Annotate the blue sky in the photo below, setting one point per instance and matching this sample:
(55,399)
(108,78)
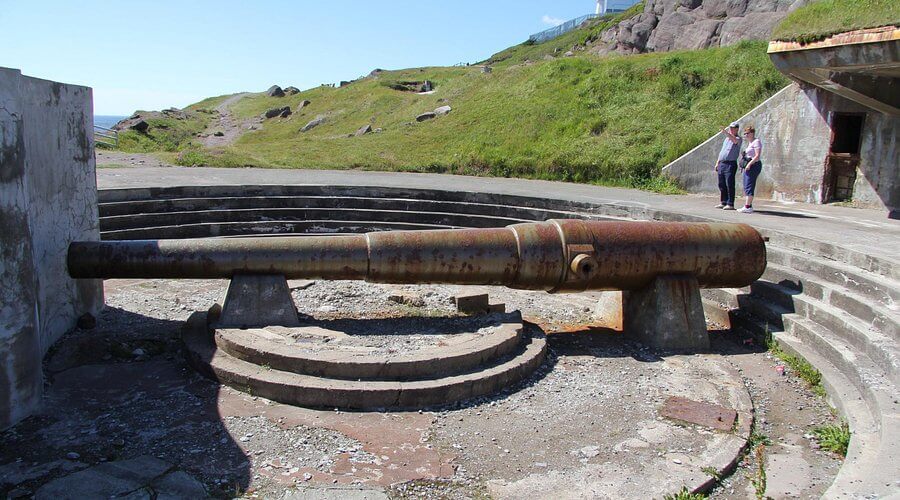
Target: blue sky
(153,54)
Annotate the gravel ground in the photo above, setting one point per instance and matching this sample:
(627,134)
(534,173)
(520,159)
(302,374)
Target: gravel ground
(587,422)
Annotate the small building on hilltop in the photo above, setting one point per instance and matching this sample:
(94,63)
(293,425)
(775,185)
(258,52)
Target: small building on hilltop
(831,136)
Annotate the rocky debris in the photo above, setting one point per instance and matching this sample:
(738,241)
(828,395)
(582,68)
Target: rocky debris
(428,115)
(291,90)
(413,86)
(335,493)
(218,133)
(135,122)
(313,124)
(114,479)
(694,24)
(365,129)
(304,103)
(283,112)
(443,110)
(486,69)
(376,72)
(275,91)
(407,299)
(472,304)
(175,113)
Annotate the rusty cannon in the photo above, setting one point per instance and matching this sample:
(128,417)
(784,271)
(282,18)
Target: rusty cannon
(659,266)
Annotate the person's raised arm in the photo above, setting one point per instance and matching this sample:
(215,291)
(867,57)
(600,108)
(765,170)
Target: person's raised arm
(733,138)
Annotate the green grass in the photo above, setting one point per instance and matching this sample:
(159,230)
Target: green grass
(684,494)
(612,120)
(558,46)
(800,366)
(834,438)
(824,18)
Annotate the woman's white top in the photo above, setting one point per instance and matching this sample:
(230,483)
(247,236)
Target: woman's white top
(753,149)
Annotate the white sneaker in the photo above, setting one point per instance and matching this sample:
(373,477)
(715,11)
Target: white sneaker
(745,210)
(720,205)
(728,207)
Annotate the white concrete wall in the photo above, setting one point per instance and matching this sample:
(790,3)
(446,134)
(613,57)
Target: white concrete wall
(795,128)
(48,198)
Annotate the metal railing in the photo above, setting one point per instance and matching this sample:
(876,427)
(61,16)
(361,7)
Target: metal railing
(562,29)
(106,136)
(613,8)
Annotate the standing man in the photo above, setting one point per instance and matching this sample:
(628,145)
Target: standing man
(726,166)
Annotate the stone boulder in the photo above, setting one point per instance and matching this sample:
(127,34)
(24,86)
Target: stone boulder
(313,124)
(291,90)
(365,129)
(694,24)
(428,115)
(303,104)
(275,91)
(753,26)
(443,110)
(272,113)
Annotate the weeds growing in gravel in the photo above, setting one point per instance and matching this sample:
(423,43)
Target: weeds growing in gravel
(684,494)
(834,438)
(799,365)
(759,479)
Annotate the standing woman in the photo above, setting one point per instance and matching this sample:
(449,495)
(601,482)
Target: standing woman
(751,165)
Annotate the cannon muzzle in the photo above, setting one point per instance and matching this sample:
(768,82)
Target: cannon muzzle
(556,256)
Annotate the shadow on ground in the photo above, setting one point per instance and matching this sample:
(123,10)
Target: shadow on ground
(123,413)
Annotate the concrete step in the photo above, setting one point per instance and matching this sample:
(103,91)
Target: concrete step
(885,318)
(881,289)
(149,206)
(261,228)
(885,351)
(264,348)
(875,427)
(826,252)
(143,220)
(871,467)
(318,392)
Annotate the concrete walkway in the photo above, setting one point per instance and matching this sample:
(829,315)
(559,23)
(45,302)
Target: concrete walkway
(866,231)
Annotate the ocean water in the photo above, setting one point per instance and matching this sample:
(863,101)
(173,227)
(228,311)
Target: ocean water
(107,121)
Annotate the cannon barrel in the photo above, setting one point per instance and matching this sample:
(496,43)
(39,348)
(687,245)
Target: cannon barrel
(556,255)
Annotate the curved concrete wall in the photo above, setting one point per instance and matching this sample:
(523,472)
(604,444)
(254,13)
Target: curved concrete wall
(47,199)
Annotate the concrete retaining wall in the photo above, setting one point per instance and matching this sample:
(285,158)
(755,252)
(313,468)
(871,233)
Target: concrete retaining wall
(47,199)
(795,127)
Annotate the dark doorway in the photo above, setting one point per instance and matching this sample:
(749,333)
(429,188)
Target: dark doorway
(843,156)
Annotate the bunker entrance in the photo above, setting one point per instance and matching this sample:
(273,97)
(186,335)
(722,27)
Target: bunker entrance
(843,157)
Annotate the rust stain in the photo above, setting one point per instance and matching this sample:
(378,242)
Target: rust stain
(695,412)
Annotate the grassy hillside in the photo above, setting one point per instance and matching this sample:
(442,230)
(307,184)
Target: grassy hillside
(824,18)
(610,120)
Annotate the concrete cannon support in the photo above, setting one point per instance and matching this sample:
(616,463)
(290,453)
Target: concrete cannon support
(667,314)
(258,301)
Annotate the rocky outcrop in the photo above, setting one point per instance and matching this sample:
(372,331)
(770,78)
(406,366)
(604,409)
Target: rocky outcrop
(291,90)
(428,115)
(443,110)
(313,124)
(365,129)
(275,91)
(282,112)
(694,24)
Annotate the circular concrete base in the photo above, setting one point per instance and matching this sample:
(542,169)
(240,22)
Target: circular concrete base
(262,362)
(331,353)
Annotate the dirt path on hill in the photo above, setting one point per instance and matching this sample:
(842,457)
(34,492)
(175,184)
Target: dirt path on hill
(230,127)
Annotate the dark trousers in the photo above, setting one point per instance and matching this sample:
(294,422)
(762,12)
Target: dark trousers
(727,171)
